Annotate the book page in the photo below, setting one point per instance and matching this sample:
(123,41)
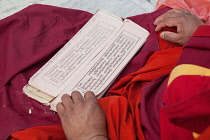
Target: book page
(105,67)
(76,54)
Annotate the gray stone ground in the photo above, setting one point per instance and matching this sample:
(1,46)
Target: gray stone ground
(122,8)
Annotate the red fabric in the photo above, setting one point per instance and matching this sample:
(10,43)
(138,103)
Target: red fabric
(201,31)
(52,28)
(28,39)
(191,95)
(122,111)
(40,133)
(187,110)
(160,63)
(186,101)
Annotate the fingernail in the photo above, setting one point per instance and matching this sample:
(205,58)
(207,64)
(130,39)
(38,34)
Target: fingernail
(156,29)
(156,22)
(162,35)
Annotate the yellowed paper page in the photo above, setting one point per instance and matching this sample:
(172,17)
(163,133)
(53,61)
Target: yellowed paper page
(76,54)
(105,67)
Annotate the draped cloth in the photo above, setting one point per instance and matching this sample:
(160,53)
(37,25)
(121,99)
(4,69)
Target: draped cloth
(186,100)
(32,36)
(132,106)
(122,104)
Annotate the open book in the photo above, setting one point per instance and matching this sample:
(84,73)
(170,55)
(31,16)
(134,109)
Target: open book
(90,61)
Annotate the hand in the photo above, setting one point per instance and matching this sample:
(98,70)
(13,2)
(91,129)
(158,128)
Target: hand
(185,22)
(82,118)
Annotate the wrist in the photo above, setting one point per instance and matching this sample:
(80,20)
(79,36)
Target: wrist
(98,138)
(95,135)
(92,138)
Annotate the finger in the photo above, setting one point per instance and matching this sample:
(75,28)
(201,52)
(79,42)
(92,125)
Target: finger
(170,14)
(170,36)
(77,96)
(165,16)
(90,96)
(66,101)
(60,109)
(169,22)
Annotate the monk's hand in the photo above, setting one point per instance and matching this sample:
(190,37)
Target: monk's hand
(82,118)
(185,23)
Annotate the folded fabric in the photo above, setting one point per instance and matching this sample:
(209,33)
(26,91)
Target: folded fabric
(132,106)
(123,104)
(186,100)
(29,39)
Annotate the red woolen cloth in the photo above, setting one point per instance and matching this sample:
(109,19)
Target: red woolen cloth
(28,39)
(40,133)
(32,36)
(122,111)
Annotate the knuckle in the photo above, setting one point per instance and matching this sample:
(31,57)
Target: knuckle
(171,14)
(160,18)
(186,11)
(163,22)
(64,97)
(183,18)
(179,39)
(79,104)
(65,114)
(90,102)
(192,16)
(89,94)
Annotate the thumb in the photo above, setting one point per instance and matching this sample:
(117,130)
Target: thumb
(171,37)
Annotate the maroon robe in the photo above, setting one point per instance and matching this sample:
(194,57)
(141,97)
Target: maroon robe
(29,39)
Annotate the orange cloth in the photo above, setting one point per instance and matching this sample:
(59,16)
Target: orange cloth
(122,112)
(160,63)
(40,133)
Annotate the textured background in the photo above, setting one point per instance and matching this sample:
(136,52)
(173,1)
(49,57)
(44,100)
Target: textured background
(122,8)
